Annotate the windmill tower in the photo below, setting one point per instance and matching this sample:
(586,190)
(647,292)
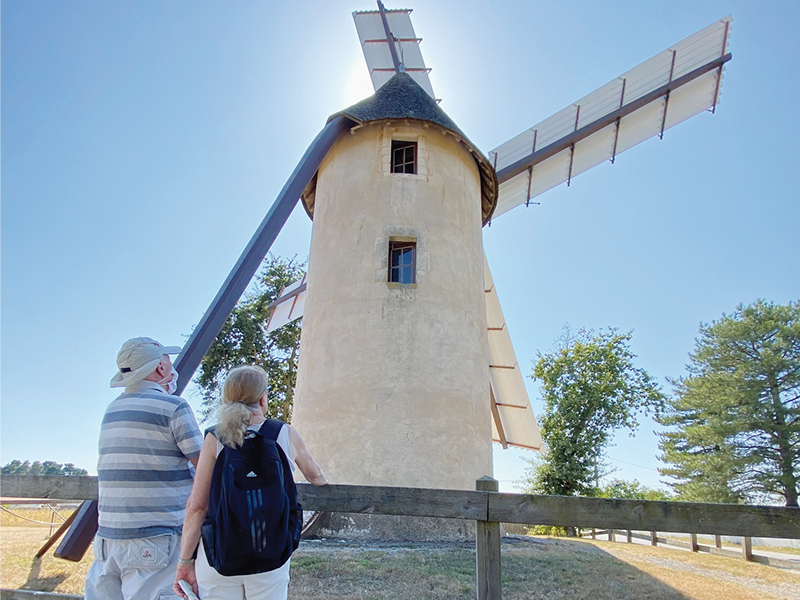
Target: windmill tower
(407,372)
(394,328)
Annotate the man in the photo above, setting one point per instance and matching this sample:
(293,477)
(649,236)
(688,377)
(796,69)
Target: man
(147,440)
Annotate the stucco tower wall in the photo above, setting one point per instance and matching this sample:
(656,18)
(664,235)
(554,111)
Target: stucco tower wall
(392,385)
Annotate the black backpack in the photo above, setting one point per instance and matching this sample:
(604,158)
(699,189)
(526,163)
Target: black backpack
(254,520)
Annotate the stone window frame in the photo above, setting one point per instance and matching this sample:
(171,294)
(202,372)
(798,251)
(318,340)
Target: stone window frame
(393,233)
(396,134)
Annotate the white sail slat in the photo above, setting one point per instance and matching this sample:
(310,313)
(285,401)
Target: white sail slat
(550,173)
(556,126)
(511,193)
(519,426)
(649,76)
(692,98)
(544,176)
(641,125)
(593,150)
(513,150)
(601,102)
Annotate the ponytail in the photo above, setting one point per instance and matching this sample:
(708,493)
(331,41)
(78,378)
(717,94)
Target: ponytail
(243,389)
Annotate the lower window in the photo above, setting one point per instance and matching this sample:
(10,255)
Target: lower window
(402,262)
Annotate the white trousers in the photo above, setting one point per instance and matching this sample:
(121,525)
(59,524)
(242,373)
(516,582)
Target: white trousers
(138,569)
(272,585)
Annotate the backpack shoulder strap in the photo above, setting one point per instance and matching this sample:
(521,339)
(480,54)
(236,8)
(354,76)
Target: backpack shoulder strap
(271,429)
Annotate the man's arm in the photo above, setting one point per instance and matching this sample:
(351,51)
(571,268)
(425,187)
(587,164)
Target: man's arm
(186,433)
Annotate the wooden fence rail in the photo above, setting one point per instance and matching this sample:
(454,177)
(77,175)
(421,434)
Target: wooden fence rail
(745,552)
(487,506)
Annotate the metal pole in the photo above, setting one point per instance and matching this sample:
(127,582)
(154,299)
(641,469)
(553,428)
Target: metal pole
(399,67)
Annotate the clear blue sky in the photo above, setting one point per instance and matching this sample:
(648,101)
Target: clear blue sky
(143,142)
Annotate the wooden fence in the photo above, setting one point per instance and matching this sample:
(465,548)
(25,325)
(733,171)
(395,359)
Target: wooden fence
(488,508)
(745,552)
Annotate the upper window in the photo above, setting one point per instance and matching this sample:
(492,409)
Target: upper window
(402,262)
(404,157)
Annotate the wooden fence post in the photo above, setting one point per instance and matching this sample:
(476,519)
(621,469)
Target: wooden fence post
(487,549)
(653,538)
(718,541)
(630,536)
(611,536)
(747,548)
(594,533)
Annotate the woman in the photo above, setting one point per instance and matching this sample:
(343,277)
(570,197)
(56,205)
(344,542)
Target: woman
(244,402)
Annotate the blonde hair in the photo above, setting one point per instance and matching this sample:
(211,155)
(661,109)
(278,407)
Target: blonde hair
(244,386)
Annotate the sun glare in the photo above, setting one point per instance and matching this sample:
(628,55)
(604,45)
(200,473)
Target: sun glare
(357,83)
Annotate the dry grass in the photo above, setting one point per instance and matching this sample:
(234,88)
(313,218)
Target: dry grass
(706,576)
(19,568)
(533,568)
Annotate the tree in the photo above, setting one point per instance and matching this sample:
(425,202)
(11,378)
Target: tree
(48,467)
(735,419)
(243,340)
(590,388)
(631,490)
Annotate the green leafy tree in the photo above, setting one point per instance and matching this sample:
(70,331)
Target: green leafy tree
(244,340)
(590,388)
(14,467)
(734,423)
(631,490)
(48,467)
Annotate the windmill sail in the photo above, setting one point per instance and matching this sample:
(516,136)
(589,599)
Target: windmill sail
(372,35)
(288,306)
(674,85)
(513,421)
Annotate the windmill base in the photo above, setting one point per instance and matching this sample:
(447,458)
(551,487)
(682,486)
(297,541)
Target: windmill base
(390,528)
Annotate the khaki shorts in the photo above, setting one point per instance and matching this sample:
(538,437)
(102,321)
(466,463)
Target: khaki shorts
(138,569)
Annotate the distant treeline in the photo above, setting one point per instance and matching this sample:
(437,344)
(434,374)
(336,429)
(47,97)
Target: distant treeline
(48,467)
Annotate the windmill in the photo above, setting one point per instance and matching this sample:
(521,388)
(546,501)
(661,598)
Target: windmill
(407,370)
(382,179)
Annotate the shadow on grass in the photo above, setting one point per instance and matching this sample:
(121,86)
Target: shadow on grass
(532,568)
(563,568)
(42,584)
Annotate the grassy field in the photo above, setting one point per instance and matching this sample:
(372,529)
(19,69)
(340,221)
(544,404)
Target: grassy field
(532,568)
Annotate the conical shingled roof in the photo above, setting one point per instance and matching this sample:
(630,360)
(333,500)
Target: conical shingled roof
(402,98)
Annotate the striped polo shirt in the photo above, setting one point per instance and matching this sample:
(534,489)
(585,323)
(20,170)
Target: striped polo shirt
(146,440)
